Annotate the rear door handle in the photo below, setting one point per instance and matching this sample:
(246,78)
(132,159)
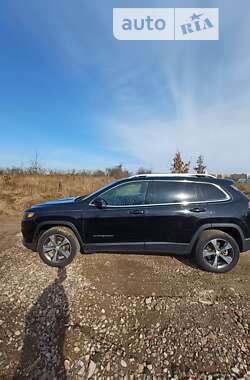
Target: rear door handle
(198,209)
(136,212)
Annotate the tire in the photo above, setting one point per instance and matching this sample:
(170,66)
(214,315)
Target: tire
(206,251)
(55,237)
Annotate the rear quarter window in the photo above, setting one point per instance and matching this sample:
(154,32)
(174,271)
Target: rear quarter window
(209,193)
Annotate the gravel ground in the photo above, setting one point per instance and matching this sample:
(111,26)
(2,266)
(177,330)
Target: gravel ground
(114,316)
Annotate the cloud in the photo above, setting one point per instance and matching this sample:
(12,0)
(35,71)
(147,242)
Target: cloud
(151,98)
(218,134)
(208,88)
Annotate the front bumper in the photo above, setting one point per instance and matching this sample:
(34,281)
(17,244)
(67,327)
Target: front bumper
(28,231)
(246,245)
(29,245)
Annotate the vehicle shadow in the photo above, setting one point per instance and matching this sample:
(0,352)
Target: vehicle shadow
(42,354)
(187,260)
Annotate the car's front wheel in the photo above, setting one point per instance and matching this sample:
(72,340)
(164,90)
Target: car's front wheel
(57,246)
(216,251)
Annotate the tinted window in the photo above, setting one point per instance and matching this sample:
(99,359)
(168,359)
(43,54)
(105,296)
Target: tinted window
(209,192)
(171,192)
(127,194)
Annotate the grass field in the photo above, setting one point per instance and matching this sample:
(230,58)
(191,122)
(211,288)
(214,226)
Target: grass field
(18,192)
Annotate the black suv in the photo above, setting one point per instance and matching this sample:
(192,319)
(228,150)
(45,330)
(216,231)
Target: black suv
(175,214)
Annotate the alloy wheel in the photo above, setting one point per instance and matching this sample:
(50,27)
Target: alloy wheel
(218,253)
(57,248)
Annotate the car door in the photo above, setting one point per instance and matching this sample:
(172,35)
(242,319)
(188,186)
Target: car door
(173,215)
(119,226)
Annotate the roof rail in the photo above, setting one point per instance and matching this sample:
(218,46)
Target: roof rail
(203,175)
(174,175)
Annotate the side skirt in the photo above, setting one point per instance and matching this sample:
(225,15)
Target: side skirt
(171,248)
(161,247)
(114,247)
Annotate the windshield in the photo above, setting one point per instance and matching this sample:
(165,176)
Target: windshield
(97,191)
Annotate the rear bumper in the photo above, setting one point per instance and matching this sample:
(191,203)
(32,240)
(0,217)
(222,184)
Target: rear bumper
(246,245)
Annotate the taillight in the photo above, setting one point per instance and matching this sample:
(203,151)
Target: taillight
(248,205)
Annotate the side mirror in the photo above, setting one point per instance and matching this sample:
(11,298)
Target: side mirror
(100,202)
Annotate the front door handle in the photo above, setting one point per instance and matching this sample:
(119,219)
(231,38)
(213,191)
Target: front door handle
(198,209)
(136,212)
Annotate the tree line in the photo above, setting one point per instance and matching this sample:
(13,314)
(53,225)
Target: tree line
(178,165)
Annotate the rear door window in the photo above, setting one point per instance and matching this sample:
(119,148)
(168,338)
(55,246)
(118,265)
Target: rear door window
(161,192)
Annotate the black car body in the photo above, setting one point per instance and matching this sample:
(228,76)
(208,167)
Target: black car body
(146,213)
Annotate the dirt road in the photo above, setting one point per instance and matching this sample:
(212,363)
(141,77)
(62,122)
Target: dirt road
(113,316)
(8,229)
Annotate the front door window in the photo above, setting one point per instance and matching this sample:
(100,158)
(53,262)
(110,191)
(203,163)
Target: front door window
(127,194)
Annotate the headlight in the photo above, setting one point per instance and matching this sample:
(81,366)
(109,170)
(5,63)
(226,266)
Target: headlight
(28,215)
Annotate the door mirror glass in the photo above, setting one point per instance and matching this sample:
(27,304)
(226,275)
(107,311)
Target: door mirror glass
(100,202)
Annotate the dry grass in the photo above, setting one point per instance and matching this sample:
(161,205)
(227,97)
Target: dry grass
(18,192)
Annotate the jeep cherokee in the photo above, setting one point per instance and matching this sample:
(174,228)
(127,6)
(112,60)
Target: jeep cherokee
(175,214)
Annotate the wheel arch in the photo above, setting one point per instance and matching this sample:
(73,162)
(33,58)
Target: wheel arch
(44,226)
(233,230)
(230,228)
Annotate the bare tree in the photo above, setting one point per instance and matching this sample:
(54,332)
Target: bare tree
(35,166)
(117,172)
(142,170)
(178,165)
(200,167)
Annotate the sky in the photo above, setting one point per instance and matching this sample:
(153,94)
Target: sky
(82,99)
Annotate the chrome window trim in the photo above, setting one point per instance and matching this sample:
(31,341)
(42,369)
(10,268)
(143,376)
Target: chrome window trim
(227,196)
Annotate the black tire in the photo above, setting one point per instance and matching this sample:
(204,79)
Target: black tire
(63,232)
(202,243)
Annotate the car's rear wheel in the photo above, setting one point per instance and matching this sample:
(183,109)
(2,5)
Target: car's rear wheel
(216,251)
(57,246)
